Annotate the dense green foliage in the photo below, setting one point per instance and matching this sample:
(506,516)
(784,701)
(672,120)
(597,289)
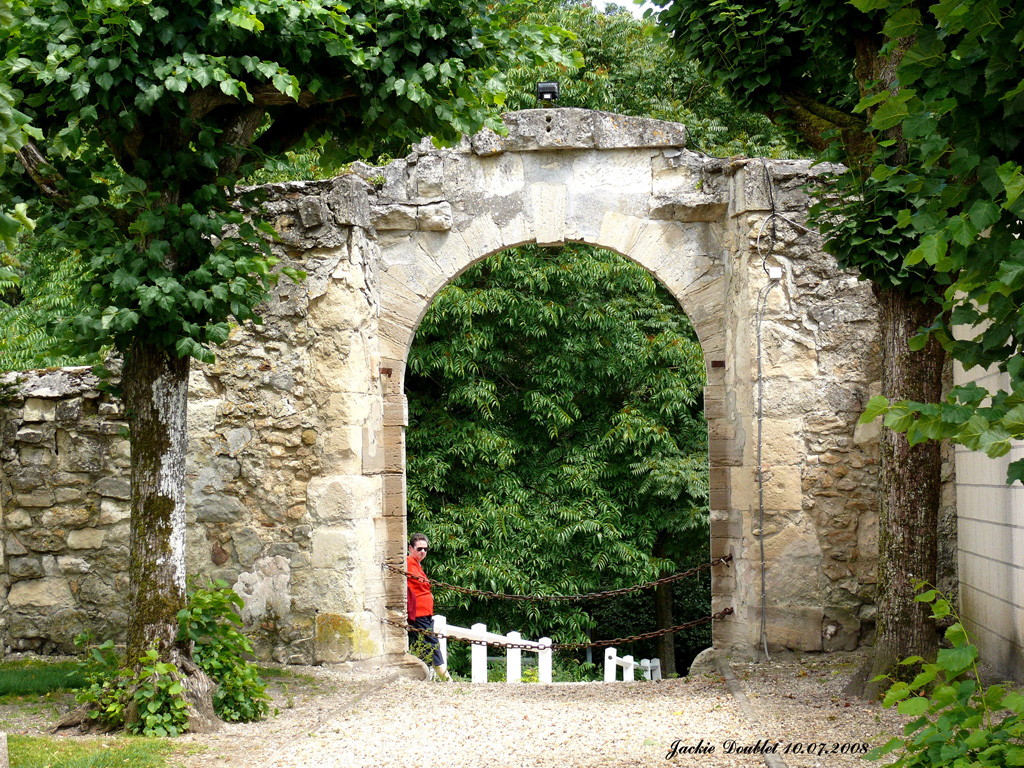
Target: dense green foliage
(44,295)
(144,699)
(957,721)
(556,427)
(956,195)
(925,103)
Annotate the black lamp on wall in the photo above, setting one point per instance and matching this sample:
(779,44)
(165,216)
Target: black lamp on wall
(547,93)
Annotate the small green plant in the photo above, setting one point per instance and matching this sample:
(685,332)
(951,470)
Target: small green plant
(157,695)
(570,670)
(210,622)
(422,650)
(958,721)
(145,700)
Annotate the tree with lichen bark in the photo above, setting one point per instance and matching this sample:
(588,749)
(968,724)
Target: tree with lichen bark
(788,59)
(147,114)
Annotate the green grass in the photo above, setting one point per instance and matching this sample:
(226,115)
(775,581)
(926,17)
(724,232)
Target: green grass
(25,678)
(43,752)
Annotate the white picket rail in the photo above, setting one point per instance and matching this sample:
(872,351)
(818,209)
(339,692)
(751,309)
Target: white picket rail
(478,653)
(651,668)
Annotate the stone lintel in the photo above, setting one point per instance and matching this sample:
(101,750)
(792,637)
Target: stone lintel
(572,128)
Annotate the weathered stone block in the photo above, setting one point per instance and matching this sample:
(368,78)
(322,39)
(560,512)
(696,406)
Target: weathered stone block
(24,567)
(346,637)
(114,511)
(40,593)
(40,498)
(247,545)
(342,498)
(66,517)
(86,538)
(217,508)
(266,590)
(115,487)
(16,520)
(37,409)
(39,540)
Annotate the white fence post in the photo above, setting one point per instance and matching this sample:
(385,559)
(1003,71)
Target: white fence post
(544,660)
(514,660)
(609,665)
(655,669)
(645,667)
(627,669)
(478,656)
(441,628)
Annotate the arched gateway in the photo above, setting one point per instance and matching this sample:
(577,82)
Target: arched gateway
(297,468)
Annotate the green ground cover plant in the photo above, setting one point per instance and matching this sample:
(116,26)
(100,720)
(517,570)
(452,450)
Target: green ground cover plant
(29,678)
(958,721)
(43,752)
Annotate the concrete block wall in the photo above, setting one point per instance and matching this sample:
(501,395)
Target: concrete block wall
(990,550)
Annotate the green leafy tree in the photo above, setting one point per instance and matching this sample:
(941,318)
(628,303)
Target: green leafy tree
(45,291)
(556,435)
(148,114)
(820,68)
(629,68)
(959,191)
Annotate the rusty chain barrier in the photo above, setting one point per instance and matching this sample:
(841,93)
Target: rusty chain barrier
(560,598)
(565,646)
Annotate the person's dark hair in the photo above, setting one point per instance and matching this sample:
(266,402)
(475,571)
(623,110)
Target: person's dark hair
(417,537)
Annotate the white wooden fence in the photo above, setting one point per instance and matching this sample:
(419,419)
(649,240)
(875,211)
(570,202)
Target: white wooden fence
(478,653)
(651,668)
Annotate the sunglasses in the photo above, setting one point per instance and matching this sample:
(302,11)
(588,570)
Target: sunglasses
(422,549)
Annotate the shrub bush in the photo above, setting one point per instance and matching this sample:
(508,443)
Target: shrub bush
(211,623)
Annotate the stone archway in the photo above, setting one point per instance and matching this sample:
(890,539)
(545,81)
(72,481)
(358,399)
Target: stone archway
(630,186)
(296,477)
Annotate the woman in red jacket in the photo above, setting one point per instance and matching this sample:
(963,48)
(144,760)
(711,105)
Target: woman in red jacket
(421,601)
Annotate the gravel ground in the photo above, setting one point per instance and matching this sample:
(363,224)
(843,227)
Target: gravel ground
(795,700)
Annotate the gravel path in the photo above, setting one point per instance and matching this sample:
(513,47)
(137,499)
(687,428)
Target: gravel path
(794,700)
(579,724)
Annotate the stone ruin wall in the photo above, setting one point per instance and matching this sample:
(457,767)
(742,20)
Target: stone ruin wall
(296,456)
(256,448)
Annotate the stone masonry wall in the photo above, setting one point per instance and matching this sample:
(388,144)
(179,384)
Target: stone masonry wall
(258,441)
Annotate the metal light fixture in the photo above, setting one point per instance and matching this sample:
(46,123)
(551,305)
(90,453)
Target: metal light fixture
(547,92)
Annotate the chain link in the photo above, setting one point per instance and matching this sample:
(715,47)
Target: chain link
(566,646)
(560,598)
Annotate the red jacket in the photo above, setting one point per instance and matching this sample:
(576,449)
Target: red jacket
(421,600)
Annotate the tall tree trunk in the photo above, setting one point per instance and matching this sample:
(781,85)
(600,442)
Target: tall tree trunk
(909,484)
(155,386)
(663,612)
(156,396)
